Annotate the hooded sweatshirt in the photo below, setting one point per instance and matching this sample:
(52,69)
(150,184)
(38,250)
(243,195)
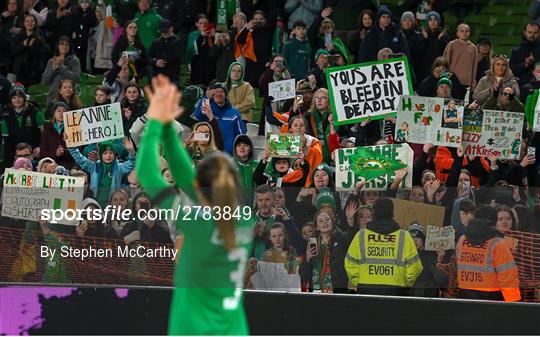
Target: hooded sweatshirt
(229,121)
(481,230)
(241,94)
(246,169)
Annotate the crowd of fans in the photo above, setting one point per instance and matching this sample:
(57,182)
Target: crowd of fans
(264,41)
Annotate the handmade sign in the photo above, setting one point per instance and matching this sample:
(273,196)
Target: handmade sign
(274,276)
(492,133)
(406,212)
(440,238)
(432,120)
(377,165)
(536,120)
(93,124)
(281,90)
(284,145)
(370,89)
(26,193)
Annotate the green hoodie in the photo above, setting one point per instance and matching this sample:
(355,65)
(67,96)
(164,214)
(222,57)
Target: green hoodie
(231,83)
(148,26)
(246,170)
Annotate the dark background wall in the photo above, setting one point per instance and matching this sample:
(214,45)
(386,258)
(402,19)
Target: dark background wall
(145,311)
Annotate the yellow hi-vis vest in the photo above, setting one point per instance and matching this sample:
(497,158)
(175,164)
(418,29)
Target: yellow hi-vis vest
(383,259)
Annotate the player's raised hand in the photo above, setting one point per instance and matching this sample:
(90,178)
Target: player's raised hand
(164,100)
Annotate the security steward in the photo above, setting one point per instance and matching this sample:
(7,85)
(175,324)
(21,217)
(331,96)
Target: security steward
(382,258)
(486,267)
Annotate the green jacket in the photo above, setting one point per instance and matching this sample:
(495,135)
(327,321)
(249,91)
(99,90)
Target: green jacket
(148,26)
(246,170)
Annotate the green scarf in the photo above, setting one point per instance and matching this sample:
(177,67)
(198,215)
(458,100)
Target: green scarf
(59,127)
(232,82)
(56,269)
(322,134)
(191,48)
(340,47)
(530,105)
(104,188)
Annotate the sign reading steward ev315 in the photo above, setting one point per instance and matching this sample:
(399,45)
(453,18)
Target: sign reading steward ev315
(369,89)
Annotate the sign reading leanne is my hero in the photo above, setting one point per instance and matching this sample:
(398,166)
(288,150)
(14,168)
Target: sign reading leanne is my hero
(377,165)
(440,238)
(93,125)
(367,90)
(281,90)
(26,193)
(492,133)
(286,145)
(432,120)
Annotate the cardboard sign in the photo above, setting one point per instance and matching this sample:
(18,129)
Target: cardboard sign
(284,145)
(440,238)
(406,212)
(432,120)
(536,120)
(492,133)
(281,90)
(93,125)
(26,193)
(367,90)
(274,276)
(356,164)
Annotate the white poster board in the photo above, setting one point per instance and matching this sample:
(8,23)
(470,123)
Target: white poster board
(366,90)
(274,276)
(93,124)
(432,120)
(282,90)
(492,133)
(440,238)
(26,193)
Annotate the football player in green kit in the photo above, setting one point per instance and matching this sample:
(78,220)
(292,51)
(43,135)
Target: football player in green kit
(208,297)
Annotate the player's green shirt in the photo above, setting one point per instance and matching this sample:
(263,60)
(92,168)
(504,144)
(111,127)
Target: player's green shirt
(209,279)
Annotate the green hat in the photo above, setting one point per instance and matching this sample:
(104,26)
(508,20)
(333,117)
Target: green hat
(322,167)
(88,148)
(58,104)
(325,197)
(321,52)
(444,80)
(107,145)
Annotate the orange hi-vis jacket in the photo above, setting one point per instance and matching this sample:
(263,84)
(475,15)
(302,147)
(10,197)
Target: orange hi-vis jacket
(488,268)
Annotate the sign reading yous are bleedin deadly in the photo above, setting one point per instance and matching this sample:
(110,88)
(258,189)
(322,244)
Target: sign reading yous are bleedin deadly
(367,90)
(93,124)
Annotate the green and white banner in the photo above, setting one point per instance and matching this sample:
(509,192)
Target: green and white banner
(369,89)
(432,120)
(284,145)
(492,133)
(377,165)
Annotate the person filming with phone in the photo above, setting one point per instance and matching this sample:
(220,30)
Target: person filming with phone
(202,141)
